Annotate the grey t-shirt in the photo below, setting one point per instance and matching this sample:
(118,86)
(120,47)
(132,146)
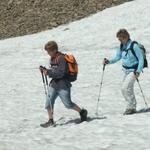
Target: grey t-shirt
(57,72)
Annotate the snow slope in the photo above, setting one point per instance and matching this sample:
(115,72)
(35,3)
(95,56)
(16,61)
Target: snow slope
(90,40)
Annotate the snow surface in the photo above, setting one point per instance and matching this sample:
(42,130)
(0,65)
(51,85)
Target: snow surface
(91,39)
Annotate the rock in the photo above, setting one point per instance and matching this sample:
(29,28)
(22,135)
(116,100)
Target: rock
(20,17)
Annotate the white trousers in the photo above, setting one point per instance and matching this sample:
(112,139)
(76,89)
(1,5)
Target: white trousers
(128,90)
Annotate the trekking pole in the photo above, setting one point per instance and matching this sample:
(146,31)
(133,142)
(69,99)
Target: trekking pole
(44,83)
(99,96)
(47,90)
(142,92)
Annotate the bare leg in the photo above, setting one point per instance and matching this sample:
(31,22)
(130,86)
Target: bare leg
(50,121)
(50,113)
(77,108)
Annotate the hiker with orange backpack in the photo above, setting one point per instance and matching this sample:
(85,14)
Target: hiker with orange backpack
(62,73)
(133,56)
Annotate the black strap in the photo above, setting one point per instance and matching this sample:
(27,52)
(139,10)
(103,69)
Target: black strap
(130,48)
(133,52)
(132,67)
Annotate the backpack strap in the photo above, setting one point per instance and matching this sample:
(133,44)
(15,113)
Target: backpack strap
(132,49)
(55,60)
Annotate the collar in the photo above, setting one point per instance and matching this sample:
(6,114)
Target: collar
(128,42)
(126,45)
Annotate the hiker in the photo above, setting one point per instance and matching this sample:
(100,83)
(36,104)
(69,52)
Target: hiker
(131,65)
(59,84)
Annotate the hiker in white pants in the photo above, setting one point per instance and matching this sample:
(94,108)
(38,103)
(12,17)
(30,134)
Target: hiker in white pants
(132,65)
(128,90)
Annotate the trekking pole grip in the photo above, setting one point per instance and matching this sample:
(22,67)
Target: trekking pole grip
(136,77)
(105,59)
(41,73)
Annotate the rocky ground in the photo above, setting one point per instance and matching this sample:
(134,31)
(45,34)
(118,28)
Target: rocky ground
(21,17)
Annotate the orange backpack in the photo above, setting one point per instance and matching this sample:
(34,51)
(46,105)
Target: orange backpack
(72,67)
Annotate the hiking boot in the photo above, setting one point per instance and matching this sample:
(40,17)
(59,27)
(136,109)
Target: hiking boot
(47,124)
(83,115)
(129,111)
